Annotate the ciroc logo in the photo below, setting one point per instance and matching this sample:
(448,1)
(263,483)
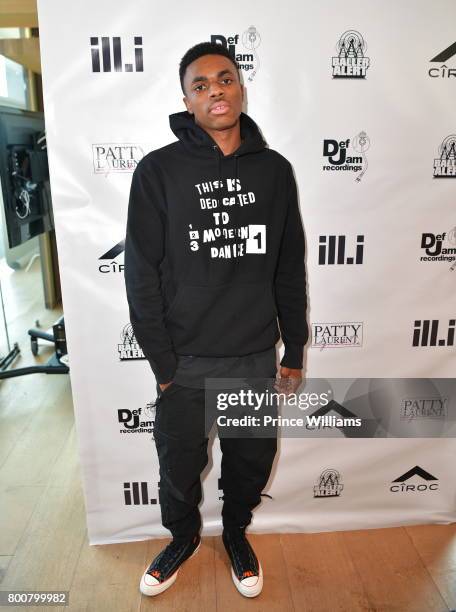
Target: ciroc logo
(111,256)
(443,71)
(430,484)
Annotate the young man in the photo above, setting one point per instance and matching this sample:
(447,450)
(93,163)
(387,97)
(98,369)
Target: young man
(214,256)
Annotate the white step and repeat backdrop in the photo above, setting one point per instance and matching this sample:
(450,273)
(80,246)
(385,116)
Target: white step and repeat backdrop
(359,97)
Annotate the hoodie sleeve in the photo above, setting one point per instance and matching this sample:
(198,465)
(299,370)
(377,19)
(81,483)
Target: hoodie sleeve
(290,282)
(144,250)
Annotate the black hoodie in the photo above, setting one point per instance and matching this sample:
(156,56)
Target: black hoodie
(214,250)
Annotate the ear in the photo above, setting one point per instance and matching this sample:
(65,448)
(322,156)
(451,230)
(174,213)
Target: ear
(188,105)
(242,91)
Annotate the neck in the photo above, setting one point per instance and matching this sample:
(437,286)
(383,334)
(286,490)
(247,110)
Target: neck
(229,139)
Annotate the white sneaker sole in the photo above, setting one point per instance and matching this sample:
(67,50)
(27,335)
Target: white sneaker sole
(152,590)
(248,591)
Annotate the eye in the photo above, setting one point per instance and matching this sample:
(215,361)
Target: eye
(199,87)
(227,80)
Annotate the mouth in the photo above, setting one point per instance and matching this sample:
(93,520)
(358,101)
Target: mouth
(220,108)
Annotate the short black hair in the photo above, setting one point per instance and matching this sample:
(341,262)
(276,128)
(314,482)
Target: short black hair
(197,51)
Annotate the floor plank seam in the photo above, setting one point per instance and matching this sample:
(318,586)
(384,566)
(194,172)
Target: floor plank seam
(449,608)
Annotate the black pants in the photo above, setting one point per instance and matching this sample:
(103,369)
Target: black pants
(181,442)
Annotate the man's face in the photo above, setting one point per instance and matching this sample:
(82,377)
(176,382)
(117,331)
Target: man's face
(213,92)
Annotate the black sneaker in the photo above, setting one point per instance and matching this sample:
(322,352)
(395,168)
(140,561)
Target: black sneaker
(163,570)
(246,570)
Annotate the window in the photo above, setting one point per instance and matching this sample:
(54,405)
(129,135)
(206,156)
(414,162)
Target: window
(13,76)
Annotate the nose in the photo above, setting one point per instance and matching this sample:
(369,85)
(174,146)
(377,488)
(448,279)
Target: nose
(215,90)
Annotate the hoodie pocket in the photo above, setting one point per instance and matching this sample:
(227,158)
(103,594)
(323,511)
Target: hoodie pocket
(224,320)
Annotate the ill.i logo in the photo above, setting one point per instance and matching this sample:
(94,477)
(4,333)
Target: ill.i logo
(114,59)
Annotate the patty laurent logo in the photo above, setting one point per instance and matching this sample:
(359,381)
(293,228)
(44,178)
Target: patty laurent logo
(129,349)
(111,256)
(113,157)
(341,158)
(337,335)
(111,54)
(416,472)
(329,484)
(351,61)
(414,408)
(443,71)
(248,62)
(445,163)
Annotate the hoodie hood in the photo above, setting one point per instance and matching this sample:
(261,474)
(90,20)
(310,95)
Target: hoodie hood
(198,141)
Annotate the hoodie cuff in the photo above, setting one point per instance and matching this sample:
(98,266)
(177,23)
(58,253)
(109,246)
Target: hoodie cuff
(293,356)
(164,366)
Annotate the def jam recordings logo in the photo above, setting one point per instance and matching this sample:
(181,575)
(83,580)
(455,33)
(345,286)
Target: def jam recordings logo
(129,349)
(111,257)
(111,54)
(113,157)
(137,494)
(132,420)
(418,474)
(328,484)
(351,61)
(414,408)
(339,158)
(439,247)
(248,62)
(337,335)
(445,164)
(443,71)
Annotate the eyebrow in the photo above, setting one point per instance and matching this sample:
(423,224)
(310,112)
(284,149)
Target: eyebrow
(204,78)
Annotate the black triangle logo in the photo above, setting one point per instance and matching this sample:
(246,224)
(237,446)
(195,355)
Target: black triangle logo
(415,471)
(334,406)
(116,250)
(446,54)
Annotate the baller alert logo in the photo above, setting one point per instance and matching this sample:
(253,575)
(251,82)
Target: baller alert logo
(445,164)
(329,484)
(114,59)
(129,349)
(249,62)
(351,61)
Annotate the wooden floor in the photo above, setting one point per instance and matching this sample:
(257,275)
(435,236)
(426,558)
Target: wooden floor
(43,542)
